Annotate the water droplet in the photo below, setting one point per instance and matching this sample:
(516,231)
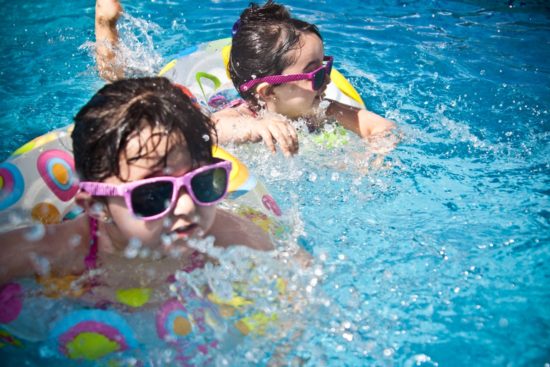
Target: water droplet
(144,253)
(41,264)
(97,209)
(167,222)
(166,240)
(75,240)
(324,104)
(133,247)
(348,336)
(35,232)
(503,322)
(206,137)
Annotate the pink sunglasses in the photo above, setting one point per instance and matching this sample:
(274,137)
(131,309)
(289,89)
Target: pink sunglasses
(317,77)
(152,198)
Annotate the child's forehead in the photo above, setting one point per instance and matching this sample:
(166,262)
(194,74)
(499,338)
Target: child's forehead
(153,149)
(152,139)
(310,48)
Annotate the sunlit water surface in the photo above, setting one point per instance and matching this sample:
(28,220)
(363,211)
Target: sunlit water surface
(436,253)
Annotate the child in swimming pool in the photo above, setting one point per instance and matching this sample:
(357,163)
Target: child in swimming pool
(149,183)
(278,65)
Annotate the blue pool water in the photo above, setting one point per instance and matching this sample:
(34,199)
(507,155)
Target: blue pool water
(436,253)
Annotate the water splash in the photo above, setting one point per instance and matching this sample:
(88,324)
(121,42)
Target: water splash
(135,51)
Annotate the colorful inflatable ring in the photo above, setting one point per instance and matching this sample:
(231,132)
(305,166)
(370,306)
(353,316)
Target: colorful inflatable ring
(92,334)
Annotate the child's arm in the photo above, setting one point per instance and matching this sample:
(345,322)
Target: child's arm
(362,122)
(25,251)
(230,229)
(238,125)
(107,13)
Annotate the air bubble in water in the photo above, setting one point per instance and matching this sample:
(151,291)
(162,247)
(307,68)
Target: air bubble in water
(312,177)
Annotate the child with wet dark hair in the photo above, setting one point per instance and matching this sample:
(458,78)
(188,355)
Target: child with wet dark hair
(143,152)
(278,64)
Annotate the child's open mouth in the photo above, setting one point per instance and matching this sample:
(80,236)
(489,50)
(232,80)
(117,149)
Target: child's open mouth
(184,231)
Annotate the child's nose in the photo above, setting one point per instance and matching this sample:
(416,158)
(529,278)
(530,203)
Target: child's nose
(184,204)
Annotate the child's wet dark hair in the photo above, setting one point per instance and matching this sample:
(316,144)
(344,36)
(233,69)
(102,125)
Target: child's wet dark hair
(119,111)
(262,38)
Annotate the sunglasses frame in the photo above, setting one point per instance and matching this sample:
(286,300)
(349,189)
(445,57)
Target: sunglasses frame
(280,79)
(125,189)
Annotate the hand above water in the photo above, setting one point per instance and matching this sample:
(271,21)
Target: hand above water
(234,126)
(275,130)
(108,11)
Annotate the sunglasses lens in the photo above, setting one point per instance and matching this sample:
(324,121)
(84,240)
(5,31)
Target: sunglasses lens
(319,79)
(151,199)
(210,186)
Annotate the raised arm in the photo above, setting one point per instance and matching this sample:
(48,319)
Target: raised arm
(107,13)
(362,122)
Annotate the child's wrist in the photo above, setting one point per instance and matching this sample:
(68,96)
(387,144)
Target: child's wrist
(106,22)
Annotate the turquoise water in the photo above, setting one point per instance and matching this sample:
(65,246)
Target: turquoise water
(436,255)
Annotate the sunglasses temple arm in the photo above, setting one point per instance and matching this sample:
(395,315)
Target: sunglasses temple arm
(101,189)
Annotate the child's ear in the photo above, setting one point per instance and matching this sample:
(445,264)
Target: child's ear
(92,207)
(265,91)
